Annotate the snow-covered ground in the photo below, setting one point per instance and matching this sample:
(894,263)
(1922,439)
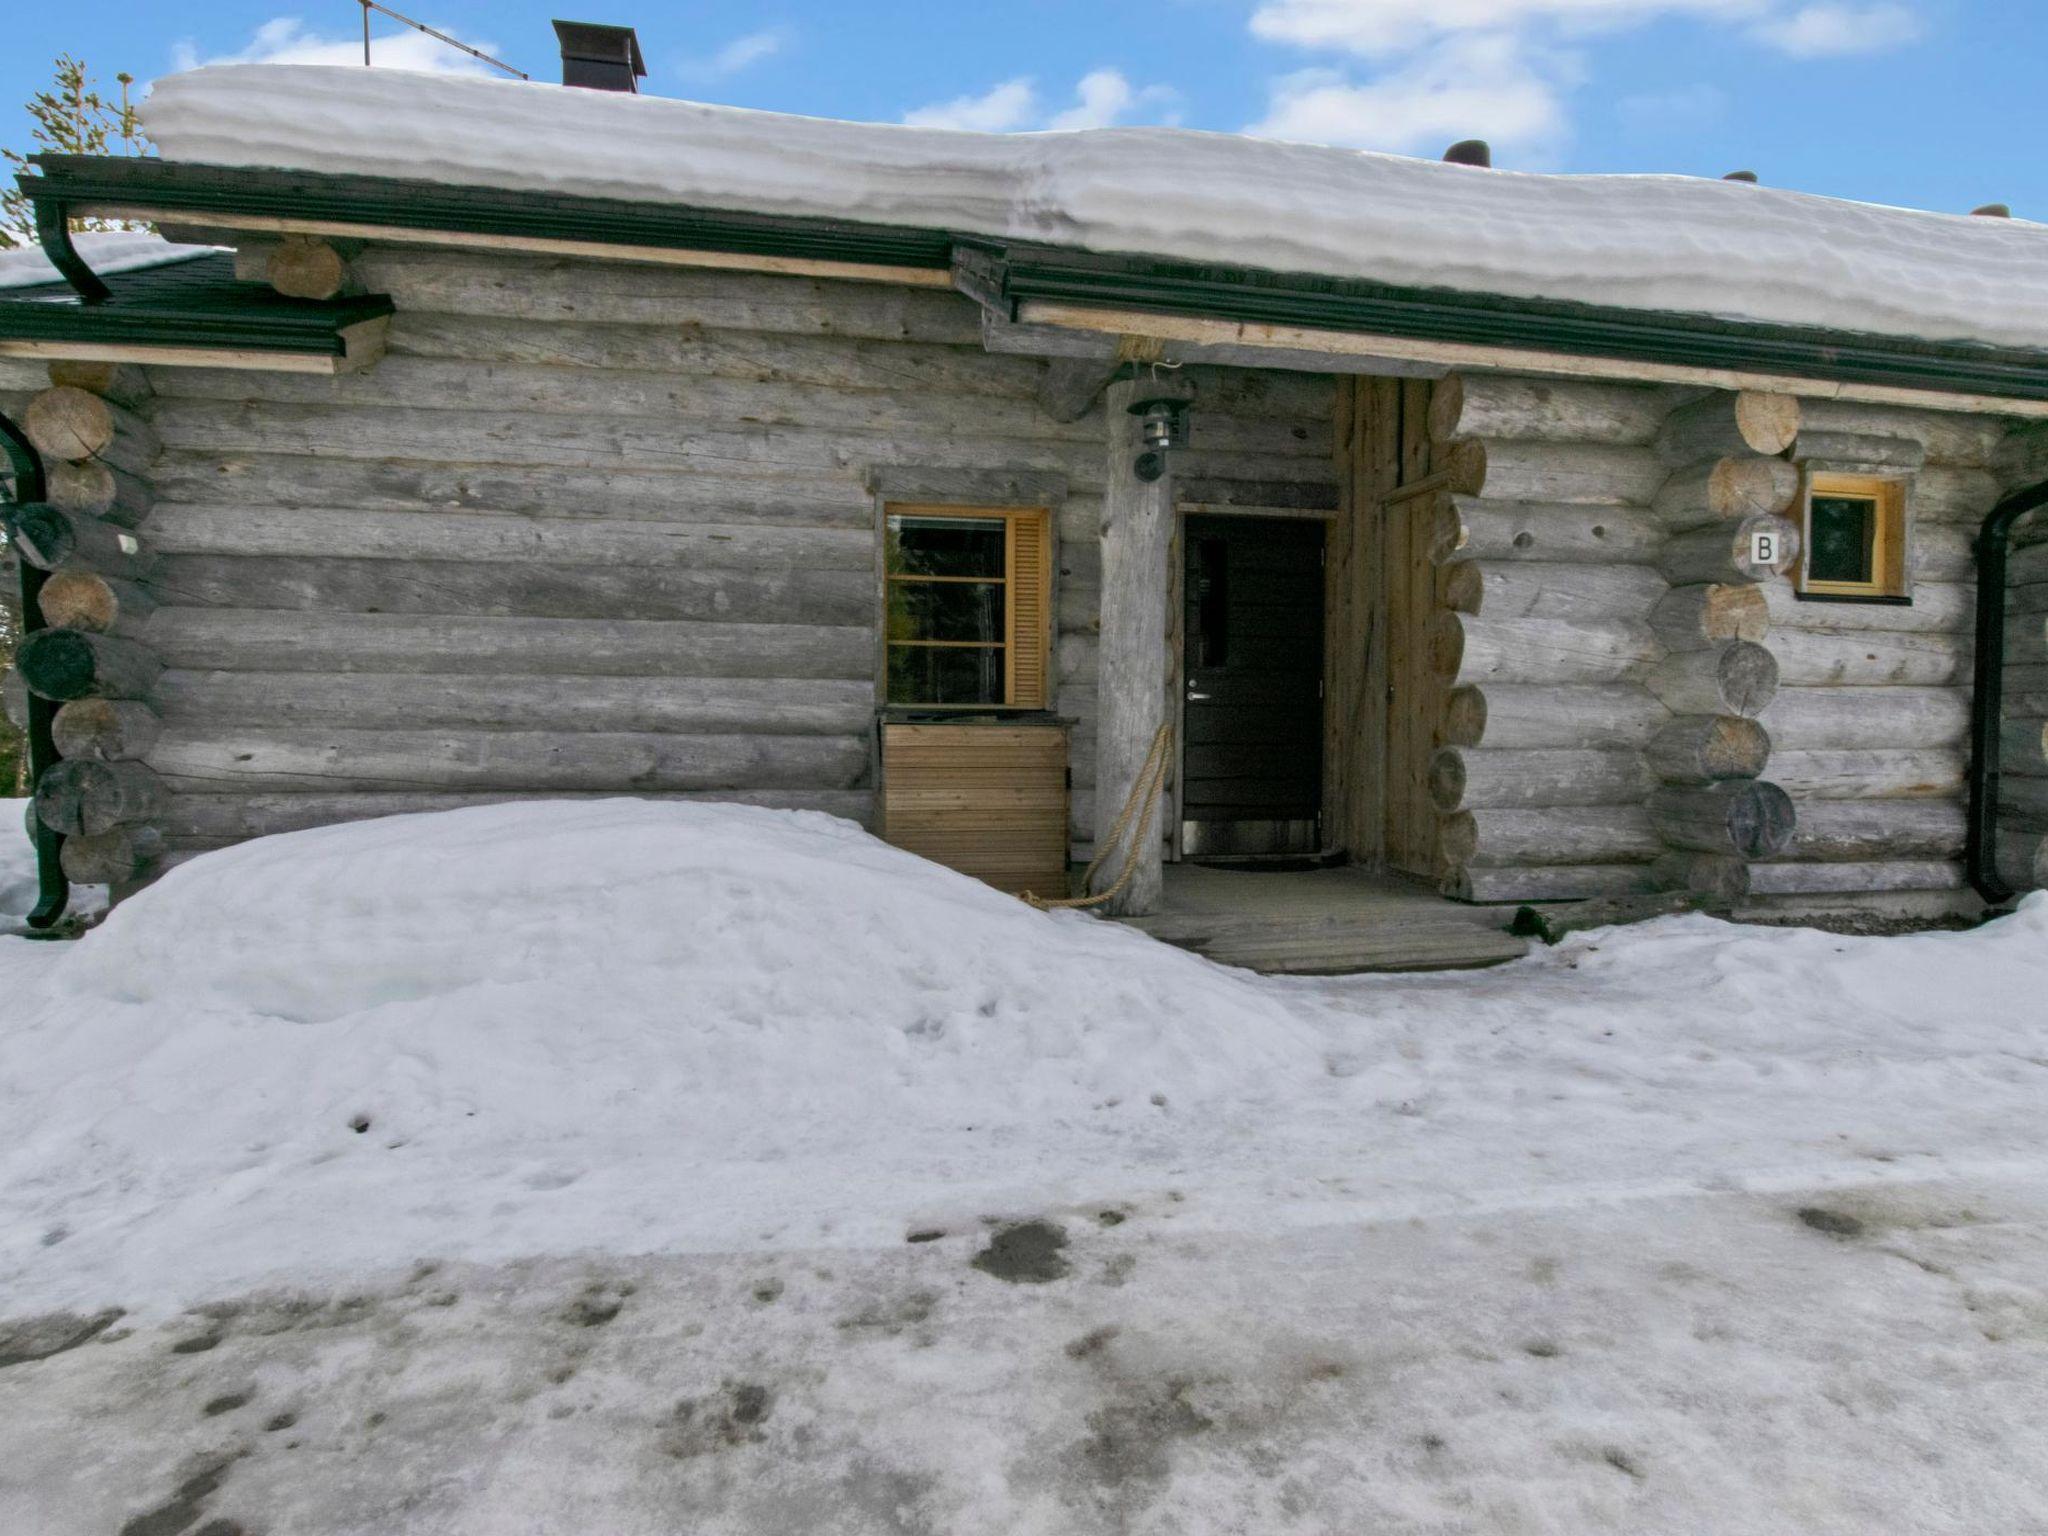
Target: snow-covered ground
(627,1167)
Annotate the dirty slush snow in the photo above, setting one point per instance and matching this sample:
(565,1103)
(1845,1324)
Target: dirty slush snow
(638,1167)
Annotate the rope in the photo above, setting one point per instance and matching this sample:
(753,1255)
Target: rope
(1145,790)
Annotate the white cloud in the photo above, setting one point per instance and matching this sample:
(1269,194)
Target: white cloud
(1813,31)
(1485,86)
(741,53)
(1000,109)
(288,40)
(1103,97)
(1397,26)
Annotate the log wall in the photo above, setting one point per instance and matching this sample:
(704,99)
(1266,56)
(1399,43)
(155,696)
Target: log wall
(1870,726)
(594,528)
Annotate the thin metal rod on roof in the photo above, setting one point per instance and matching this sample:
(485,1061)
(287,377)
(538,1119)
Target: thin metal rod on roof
(420,26)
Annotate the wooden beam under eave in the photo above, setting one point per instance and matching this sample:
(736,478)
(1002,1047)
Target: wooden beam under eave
(1362,353)
(534,245)
(191,357)
(363,344)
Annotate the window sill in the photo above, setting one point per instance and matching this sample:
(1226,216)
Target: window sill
(1875,599)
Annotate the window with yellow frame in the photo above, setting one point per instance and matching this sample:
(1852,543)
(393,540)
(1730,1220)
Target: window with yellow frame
(1855,538)
(967,607)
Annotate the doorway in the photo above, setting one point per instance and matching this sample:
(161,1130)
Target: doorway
(1251,687)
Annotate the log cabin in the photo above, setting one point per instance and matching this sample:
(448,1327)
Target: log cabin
(1444,537)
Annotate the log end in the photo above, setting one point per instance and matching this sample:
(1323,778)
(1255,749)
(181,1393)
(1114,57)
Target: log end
(1769,423)
(57,663)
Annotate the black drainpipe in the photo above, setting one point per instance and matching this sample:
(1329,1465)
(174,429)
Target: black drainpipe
(1986,699)
(54,891)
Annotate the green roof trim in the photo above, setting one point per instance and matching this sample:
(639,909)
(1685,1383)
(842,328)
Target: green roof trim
(1007,277)
(1003,275)
(196,303)
(398,204)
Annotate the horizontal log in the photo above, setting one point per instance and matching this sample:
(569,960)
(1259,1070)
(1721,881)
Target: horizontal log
(115,857)
(2022,857)
(1699,749)
(82,798)
(1469,528)
(2029,599)
(76,664)
(1935,605)
(198,813)
(2023,744)
(557,398)
(542,589)
(1860,831)
(1549,882)
(1596,473)
(1748,818)
(106,730)
(2021,457)
(2024,798)
(1858,452)
(99,490)
(2026,637)
(1498,839)
(1729,677)
(1694,617)
(105,605)
(67,423)
(1714,877)
(1855,879)
(1839,719)
(2026,689)
(338,759)
(1942,493)
(1511,715)
(184,529)
(122,383)
(534,288)
(1479,778)
(1467,648)
(1492,405)
(273,483)
(50,538)
(1742,421)
(1520,590)
(1949,437)
(394,701)
(1869,774)
(1725,490)
(1943,553)
(256,640)
(1749,550)
(1812,658)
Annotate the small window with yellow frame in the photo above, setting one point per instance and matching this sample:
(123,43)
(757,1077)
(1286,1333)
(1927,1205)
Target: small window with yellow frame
(1855,539)
(967,608)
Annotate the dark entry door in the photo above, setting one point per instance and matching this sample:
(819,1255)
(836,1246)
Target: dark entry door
(1252,670)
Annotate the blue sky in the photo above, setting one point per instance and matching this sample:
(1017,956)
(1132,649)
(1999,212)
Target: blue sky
(1927,103)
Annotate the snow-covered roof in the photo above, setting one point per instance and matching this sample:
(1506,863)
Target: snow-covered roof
(1674,244)
(105,251)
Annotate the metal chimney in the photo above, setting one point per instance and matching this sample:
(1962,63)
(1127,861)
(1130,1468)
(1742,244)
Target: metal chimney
(598,57)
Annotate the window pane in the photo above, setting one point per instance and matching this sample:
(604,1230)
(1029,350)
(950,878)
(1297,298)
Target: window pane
(945,675)
(946,546)
(946,610)
(1843,535)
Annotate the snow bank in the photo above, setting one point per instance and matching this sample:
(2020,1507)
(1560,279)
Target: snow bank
(1664,243)
(105,251)
(547,990)
(17,863)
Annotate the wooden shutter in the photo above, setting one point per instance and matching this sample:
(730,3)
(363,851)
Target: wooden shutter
(1030,630)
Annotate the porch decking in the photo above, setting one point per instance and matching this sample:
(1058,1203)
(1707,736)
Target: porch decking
(1325,922)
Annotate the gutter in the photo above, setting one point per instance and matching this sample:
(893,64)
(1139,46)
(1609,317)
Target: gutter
(54,891)
(1994,543)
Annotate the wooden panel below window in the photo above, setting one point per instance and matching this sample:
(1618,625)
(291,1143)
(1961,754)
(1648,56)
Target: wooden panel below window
(987,800)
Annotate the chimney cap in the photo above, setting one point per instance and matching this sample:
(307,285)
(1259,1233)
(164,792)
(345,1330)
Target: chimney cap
(612,52)
(1470,152)
(1992,211)
(1748,176)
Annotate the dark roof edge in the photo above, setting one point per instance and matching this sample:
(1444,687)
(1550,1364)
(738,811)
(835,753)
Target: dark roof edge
(1005,275)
